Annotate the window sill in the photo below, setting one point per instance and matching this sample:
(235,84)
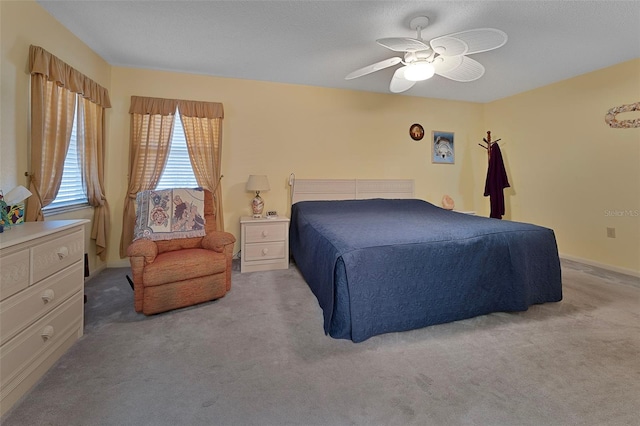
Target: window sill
(64,209)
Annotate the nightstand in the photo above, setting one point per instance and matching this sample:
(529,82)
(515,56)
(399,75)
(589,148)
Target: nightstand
(264,244)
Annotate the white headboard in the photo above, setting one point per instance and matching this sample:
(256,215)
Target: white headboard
(349,189)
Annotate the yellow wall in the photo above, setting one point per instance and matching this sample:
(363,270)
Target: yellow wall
(278,129)
(23,23)
(566,167)
(569,170)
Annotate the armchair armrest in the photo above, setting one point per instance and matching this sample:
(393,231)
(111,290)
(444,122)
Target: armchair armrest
(141,252)
(143,248)
(217,241)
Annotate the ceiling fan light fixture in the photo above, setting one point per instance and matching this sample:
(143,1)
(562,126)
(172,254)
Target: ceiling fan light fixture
(419,71)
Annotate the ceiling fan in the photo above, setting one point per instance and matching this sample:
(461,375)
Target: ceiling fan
(444,56)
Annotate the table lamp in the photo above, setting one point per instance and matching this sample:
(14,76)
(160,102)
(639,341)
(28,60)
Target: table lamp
(257,183)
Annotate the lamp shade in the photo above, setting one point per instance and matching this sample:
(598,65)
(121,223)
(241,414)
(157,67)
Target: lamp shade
(17,195)
(258,183)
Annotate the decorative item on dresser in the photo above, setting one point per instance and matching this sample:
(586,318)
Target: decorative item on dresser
(12,206)
(41,301)
(264,244)
(257,183)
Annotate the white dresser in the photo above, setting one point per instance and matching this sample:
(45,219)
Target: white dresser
(264,244)
(41,301)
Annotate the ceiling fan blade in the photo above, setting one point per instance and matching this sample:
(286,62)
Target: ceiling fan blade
(469,42)
(459,68)
(399,83)
(445,64)
(403,44)
(373,67)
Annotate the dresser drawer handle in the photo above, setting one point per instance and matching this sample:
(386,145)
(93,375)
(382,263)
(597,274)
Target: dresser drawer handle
(62,252)
(265,233)
(47,295)
(47,332)
(265,251)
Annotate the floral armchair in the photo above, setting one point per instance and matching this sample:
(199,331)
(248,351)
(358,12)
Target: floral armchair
(172,274)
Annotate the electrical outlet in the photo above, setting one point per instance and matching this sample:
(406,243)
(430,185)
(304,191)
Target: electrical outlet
(611,232)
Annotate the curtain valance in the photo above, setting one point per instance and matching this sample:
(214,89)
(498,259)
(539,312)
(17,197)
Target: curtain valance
(200,109)
(154,106)
(55,70)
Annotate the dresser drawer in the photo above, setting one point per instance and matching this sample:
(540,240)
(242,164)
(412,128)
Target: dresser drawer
(25,352)
(52,256)
(19,311)
(264,251)
(265,232)
(14,272)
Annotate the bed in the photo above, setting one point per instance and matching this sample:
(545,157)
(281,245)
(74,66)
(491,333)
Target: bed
(380,261)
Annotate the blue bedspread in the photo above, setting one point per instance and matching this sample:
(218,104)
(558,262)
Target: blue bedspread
(378,266)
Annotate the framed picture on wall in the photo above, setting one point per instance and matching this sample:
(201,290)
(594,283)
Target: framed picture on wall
(416,131)
(443,147)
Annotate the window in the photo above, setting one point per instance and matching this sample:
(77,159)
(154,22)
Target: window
(178,172)
(71,191)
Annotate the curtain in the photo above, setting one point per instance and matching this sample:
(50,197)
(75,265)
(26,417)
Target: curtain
(90,131)
(202,122)
(55,86)
(151,129)
(52,111)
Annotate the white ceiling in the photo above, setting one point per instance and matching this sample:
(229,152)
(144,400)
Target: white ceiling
(318,43)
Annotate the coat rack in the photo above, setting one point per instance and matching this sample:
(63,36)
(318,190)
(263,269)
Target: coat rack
(488,141)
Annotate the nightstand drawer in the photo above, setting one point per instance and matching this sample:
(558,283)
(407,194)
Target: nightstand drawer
(265,232)
(264,251)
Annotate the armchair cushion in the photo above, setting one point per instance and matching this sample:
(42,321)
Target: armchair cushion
(183,265)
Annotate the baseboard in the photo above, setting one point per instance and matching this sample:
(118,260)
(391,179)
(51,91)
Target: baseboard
(120,263)
(602,265)
(95,273)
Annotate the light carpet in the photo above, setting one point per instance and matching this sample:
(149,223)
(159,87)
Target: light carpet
(259,356)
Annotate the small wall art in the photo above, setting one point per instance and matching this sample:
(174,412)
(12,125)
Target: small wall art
(443,147)
(416,131)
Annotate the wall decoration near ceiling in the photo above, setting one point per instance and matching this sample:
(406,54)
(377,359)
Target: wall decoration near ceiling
(611,120)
